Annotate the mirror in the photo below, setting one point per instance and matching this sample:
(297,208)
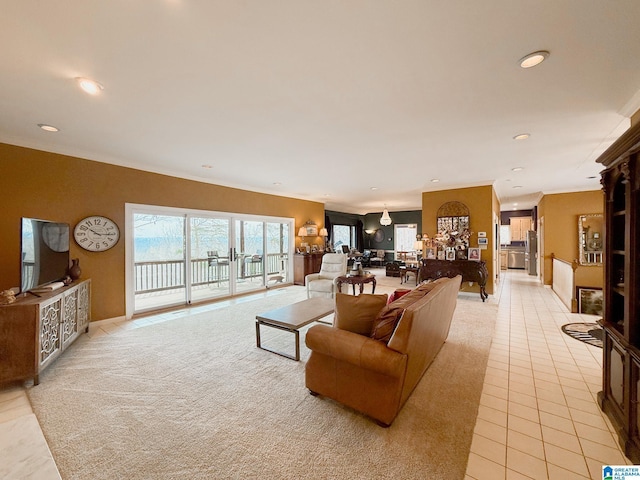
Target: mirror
(453,229)
(453,216)
(590,241)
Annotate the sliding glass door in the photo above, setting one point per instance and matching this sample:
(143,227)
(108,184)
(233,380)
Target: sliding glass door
(158,260)
(249,255)
(176,257)
(209,257)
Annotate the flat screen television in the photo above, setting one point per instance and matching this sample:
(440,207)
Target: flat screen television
(44,252)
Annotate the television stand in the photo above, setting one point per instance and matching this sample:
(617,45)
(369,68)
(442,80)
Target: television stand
(35,331)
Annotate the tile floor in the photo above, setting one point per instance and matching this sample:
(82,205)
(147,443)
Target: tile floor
(538,417)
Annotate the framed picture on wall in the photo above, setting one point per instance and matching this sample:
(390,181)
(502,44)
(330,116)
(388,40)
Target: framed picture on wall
(474,254)
(430,253)
(589,300)
(312,230)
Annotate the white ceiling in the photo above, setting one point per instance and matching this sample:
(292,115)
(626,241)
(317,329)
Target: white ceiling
(323,100)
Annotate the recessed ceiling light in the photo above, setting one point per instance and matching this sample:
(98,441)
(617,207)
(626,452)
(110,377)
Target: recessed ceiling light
(374,188)
(434,180)
(515,204)
(207,166)
(592,177)
(522,136)
(517,186)
(277,183)
(90,86)
(517,169)
(533,59)
(48,128)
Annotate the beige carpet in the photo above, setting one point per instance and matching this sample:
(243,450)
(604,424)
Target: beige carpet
(194,398)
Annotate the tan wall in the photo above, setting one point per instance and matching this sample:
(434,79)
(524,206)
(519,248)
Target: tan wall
(560,213)
(66,189)
(495,206)
(480,201)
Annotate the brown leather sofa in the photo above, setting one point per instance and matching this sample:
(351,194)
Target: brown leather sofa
(371,375)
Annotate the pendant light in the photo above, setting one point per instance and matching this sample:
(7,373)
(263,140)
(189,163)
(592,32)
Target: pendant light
(385,219)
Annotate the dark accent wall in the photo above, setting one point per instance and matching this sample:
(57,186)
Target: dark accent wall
(371,221)
(339,218)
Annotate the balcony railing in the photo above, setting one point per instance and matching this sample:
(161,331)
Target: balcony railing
(170,274)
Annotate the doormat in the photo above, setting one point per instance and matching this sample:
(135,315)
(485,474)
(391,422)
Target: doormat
(590,333)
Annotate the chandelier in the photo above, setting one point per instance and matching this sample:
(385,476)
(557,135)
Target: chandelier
(385,219)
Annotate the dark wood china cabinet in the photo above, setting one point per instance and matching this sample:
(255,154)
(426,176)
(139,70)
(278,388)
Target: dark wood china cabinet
(621,363)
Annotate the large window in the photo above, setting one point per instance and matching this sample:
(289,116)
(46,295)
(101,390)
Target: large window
(405,236)
(344,235)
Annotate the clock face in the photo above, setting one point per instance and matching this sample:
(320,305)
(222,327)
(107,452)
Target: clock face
(96,233)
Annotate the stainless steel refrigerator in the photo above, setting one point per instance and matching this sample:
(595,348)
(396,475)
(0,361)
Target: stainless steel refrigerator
(531,253)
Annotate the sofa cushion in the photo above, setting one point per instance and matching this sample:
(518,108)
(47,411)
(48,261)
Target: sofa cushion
(357,313)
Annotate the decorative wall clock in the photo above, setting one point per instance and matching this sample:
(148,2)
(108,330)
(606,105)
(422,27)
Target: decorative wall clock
(96,233)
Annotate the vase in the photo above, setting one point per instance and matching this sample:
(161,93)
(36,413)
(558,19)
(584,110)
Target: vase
(74,270)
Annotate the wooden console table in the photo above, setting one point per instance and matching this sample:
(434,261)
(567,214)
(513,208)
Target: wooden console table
(304,264)
(470,270)
(36,330)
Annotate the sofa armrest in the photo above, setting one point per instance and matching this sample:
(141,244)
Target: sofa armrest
(358,350)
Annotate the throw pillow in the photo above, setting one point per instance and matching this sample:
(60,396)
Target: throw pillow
(357,313)
(397,294)
(385,323)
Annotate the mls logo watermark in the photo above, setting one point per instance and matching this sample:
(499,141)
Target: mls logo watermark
(620,472)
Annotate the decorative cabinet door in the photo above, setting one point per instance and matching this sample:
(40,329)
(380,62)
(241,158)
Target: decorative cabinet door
(83,307)
(69,324)
(49,328)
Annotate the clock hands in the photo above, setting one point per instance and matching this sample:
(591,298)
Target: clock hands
(102,234)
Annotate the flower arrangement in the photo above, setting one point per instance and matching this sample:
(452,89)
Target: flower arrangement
(448,238)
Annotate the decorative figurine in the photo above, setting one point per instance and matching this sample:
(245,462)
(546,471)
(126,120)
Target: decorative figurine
(7,297)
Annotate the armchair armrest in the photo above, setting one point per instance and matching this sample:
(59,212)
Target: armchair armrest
(358,350)
(311,276)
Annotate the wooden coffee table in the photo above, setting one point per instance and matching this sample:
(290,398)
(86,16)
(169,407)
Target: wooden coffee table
(357,280)
(293,317)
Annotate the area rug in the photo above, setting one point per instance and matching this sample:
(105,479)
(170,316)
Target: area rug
(589,333)
(192,397)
